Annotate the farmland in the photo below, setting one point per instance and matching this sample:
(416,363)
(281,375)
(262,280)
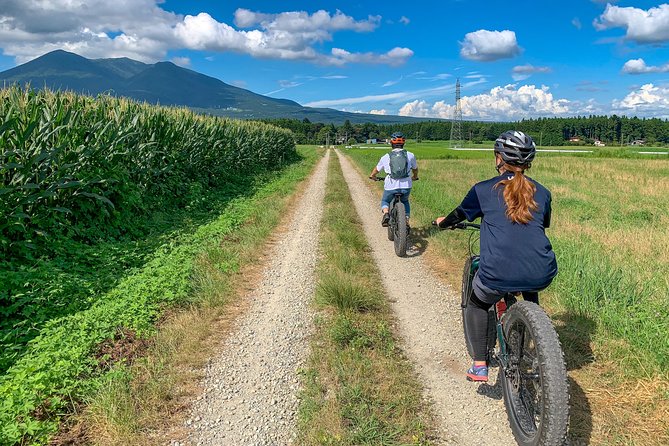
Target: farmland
(106,205)
(610,300)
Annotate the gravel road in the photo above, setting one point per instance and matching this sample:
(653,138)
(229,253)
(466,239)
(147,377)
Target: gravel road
(428,313)
(251,386)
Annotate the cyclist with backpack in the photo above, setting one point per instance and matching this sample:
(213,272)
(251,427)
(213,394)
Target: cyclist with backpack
(401,169)
(516,255)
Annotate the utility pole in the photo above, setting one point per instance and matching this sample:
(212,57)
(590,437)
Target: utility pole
(456,123)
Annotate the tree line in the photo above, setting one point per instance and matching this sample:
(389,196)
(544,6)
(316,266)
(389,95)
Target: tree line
(611,130)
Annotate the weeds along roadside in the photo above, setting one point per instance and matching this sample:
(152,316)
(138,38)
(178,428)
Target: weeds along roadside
(359,388)
(609,301)
(59,370)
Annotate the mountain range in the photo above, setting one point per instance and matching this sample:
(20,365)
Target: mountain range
(168,84)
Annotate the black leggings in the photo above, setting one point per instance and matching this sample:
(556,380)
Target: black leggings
(476,314)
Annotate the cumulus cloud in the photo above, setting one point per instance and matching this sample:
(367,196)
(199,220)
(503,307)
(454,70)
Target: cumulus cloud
(500,103)
(404,20)
(142,30)
(642,26)
(577,23)
(522,72)
(396,56)
(648,100)
(486,46)
(638,66)
(378,112)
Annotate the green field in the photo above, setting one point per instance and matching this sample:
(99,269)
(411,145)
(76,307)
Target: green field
(610,231)
(441,150)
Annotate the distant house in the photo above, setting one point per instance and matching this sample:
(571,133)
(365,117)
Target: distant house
(638,142)
(371,141)
(598,143)
(575,139)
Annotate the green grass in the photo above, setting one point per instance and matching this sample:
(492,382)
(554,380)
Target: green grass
(359,390)
(441,150)
(59,368)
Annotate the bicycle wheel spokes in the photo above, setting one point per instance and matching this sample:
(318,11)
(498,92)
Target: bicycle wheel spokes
(525,378)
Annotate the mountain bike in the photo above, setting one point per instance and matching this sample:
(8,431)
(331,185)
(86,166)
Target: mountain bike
(531,363)
(398,228)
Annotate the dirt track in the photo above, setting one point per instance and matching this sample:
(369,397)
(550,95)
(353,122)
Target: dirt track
(428,313)
(251,387)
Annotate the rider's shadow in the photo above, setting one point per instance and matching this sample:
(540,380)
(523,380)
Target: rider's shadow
(575,332)
(418,241)
(491,391)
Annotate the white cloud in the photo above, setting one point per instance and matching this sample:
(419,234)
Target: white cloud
(289,84)
(378,112)
(397,97)
(522,72)
(486,46)
(239,83)
(181,61)
(415,108)
(405,20)
(576,22)
(643,26)
(500,103)
(392,82)
(396,56)
(648,100)
(356,100)
(638,66)
(436,77)
(142,30)
(301,21)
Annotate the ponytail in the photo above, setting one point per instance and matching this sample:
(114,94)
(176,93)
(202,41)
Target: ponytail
(518,195)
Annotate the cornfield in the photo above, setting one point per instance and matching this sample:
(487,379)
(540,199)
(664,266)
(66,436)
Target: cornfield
(82,167)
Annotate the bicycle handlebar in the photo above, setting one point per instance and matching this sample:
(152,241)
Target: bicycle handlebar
(383,178)
(462,225)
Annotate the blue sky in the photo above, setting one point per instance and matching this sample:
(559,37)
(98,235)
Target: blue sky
(514,59)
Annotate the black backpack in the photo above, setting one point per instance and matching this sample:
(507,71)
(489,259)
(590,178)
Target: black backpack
(399,164)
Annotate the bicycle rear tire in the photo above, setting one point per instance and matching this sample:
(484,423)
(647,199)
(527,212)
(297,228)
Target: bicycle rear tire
(544,422)
(400,227)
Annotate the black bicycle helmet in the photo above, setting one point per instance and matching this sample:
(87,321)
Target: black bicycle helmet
(516,148)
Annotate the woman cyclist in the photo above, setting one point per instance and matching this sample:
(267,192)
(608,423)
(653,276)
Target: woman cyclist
(516,255)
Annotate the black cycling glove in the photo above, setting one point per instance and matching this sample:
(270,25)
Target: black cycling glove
(455,217)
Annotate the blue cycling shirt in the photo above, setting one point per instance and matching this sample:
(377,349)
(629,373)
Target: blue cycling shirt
(514,257)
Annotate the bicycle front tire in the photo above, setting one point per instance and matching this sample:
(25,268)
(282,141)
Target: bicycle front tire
(535,387)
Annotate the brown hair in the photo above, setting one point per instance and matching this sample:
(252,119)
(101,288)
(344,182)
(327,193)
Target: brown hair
(518,195)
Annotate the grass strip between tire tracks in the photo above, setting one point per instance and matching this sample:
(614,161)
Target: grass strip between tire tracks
(359,388)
